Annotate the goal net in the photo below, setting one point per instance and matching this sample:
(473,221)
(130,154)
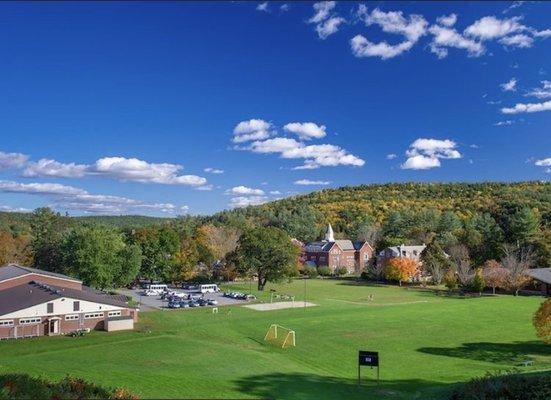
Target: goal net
(280,336)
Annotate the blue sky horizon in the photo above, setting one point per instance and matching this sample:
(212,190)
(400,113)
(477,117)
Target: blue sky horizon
(168,108)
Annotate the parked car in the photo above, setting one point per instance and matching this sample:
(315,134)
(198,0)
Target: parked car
(174,305)
(250,297)
(212,302)
(202,302)
(150,293)
(193,303)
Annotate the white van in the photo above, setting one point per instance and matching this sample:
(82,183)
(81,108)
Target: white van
(155,287)
(209,288)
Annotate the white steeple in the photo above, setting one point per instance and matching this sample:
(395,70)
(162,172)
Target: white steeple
(329,234)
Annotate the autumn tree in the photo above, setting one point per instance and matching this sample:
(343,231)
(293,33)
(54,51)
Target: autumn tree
(400,269)
(450,280)
(494,275)
(47,229)
(459,255)
(542,321)
(516,262)
(435,261)
(266,252)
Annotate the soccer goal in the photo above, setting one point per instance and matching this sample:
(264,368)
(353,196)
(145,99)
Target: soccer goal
(281,336)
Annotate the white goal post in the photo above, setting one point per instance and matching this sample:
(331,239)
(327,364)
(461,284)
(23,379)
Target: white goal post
(280,335)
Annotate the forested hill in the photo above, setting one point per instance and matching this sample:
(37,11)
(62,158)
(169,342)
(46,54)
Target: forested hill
(348,207)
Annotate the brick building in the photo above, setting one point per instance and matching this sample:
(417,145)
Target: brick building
(403,251)
(353,255)
(38,303)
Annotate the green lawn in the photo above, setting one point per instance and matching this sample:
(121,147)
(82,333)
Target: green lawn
(426,342)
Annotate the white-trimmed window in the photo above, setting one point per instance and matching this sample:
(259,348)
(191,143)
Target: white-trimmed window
(30,321)
(114,313)
(7,322)
(93,315)
(71,317)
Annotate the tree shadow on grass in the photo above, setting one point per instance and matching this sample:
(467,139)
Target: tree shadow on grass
(510,353)
(317,387)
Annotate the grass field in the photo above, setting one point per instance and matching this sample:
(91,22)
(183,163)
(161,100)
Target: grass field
(426,342)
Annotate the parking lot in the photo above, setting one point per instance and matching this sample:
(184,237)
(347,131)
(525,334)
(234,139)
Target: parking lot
(155,302)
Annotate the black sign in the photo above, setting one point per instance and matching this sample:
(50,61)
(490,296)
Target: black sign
(369,358)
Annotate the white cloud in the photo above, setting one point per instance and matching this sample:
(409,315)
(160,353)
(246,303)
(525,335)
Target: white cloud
(542,34)
(213,170)
(263,7)
(121,168)
(421,162)
(361,47)
(411,29)
(322,10)
(275,192)
(514,5)
(47,167)
(527,108)
(242,201)
(504,123)
(14,209)
(204,188)
(284,7)
(541,93)
(71,198)
(510,86)
(253,129)
(426,153)
(326,22)
(488,28)
(245,191)
(519,40)
(308,182)
(444,37)
(391,156)
(12,160)
(329,26)
(306,130)
(447,20)
(322,155)
(546,162)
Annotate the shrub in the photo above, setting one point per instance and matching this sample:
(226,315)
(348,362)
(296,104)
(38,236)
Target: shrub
(450,280)
(309,271)
(542,321)
(21,386)
(508,386)
(478,283)
(341,271)
(324,270)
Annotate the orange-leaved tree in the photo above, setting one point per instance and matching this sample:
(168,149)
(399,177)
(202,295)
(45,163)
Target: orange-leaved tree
(400,269)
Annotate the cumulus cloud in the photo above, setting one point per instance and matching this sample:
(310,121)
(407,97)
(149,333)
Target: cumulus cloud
(71,198)
(447,20)
(245,191)
(329,26)
(546,162)
(308,182)
(322,10)
(490,27)
(541,93)
(214,170)
(444,37)
(411,29)
(12,160)
(306,130)
(527,108)
(327,22)
(427,153)
(243,201)
(510,86)
(275,192)
(253,129)
(391,156)
(315,156)
(520,40)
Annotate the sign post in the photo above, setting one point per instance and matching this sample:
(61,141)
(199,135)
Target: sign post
(368,359)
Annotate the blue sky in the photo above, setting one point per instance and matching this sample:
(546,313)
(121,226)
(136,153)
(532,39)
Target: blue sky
(166,108)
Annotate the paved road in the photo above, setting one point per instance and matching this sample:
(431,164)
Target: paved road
(148,303)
